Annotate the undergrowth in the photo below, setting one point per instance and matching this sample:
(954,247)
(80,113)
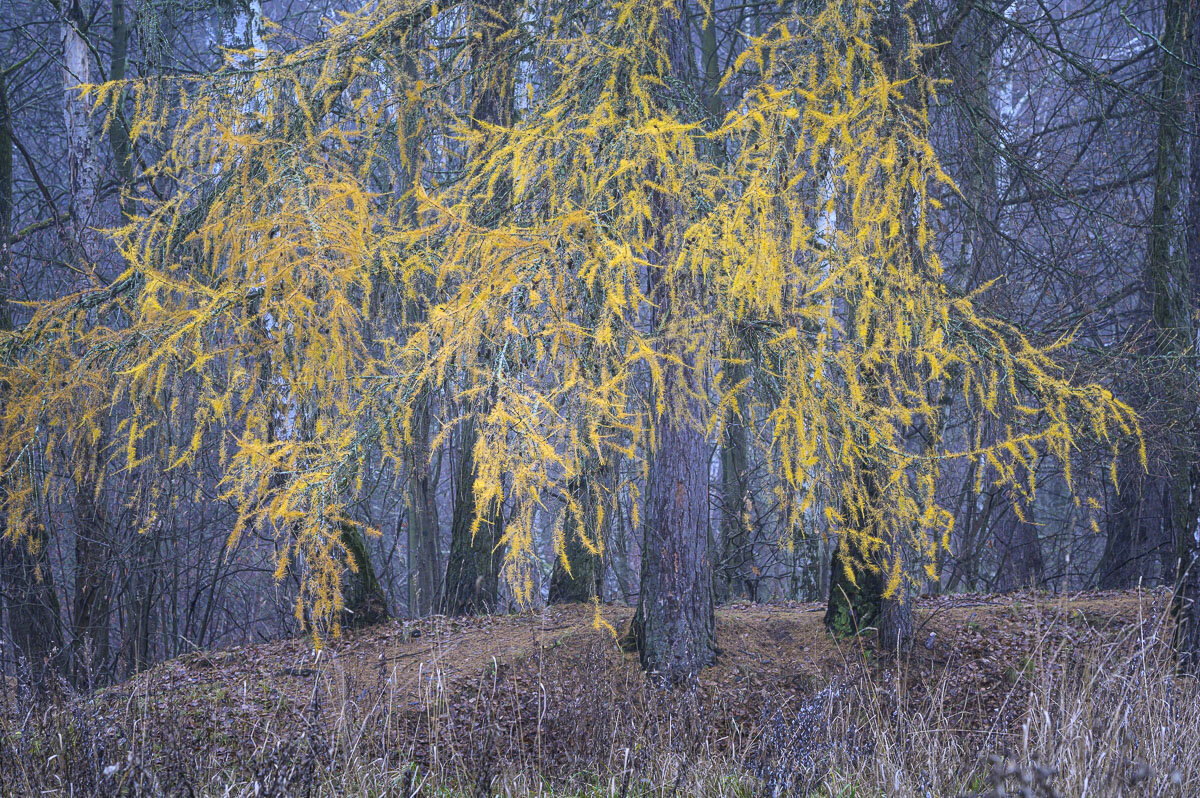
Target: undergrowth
(1111,720)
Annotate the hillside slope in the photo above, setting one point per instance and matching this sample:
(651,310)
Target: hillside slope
(974,644)
(547,693)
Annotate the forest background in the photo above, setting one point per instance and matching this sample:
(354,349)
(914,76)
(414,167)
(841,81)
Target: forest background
(317,315)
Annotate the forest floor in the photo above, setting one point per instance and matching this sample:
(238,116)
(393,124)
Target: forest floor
(974,647)
(548,692)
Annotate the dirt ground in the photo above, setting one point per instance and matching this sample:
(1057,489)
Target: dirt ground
(976,647)
(551,692)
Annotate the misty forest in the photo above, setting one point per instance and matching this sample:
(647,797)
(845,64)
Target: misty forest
(600,398)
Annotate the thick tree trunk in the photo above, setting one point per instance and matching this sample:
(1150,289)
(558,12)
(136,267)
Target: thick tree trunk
(895,623)
(1185,487)
(858,603)
(240,26)
(855,602)
(858,584)
(424,556)
(674,626)
(83,164)
(1129,543)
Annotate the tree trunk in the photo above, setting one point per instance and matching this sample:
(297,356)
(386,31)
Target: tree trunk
(240,26)
(674,626)
(424,565)
(26,588)
(423,547)
(93,589)
(895,623)
(140,577)
(1129,537)
(1185,487)
(473,564)
(736,573)
(34,619)
(857,597)
(619,558)
(1155,520)
(141,564)
(472,584)
(855,602)
(363,600)
(1021,563)
(737,577)
(585,578)
(971,71)
(118,131)
(82,162)
(93,581)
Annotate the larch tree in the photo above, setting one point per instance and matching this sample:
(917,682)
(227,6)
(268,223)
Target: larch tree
(1174,298)
(736,570)
(593,275)
(32,606)
(674,626)
(91,604)
(472,583)
(1188,547)
(424,566)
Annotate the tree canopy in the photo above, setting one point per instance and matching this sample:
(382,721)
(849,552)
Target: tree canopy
(604,260)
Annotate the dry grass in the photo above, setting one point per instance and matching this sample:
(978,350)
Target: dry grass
(1109,719)
(1071,714)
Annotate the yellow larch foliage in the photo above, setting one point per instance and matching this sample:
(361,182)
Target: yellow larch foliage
(248,322)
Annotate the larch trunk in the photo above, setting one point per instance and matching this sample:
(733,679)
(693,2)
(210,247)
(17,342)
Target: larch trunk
(737,572)
(473,563)
(858,596)
(1184,18)
(424,566)
(472,584)
(363,600)
(674,626)
(34,620)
